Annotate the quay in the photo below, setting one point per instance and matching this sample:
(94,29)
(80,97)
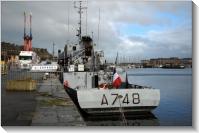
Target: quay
(54,106)
(48,105)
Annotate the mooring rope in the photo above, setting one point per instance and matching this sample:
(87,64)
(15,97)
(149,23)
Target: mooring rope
(122,112)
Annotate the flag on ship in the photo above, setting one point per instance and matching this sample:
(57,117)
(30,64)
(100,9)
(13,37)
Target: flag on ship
(116,79)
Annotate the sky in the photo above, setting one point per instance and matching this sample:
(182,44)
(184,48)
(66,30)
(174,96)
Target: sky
(135,29)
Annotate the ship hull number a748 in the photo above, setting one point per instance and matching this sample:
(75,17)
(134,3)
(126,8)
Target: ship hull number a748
(123,99)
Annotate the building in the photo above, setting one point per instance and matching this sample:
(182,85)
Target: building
(169,62)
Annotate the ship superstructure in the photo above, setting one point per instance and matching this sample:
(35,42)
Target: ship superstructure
(89,82)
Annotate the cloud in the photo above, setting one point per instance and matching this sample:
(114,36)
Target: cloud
(50,24)
(167,43)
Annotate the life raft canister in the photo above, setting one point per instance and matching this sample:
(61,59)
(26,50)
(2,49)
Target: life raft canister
(66,84)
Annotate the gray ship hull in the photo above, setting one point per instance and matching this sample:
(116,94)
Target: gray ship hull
(90,104)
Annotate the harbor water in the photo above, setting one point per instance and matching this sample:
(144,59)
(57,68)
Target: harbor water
(175,86)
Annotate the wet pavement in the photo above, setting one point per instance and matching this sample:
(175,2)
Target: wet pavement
(49,105)
(54,107)
(16,107)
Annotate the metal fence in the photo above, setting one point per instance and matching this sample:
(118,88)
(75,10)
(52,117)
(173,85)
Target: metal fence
(40,77)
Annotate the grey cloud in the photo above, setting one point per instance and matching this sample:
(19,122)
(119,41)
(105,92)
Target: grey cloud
(50,25)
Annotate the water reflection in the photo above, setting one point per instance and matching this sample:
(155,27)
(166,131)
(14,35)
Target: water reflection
(143,119)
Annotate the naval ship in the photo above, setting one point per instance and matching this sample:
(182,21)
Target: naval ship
(97,88)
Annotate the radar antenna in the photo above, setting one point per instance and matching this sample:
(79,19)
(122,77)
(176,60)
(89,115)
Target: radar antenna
(80,17)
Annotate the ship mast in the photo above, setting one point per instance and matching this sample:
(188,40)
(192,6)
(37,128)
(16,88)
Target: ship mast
(80,17)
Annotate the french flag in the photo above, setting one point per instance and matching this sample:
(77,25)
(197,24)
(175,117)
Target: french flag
(116,79)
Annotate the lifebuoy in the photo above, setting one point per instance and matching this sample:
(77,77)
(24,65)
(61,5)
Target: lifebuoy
(66,84)
(103,86)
